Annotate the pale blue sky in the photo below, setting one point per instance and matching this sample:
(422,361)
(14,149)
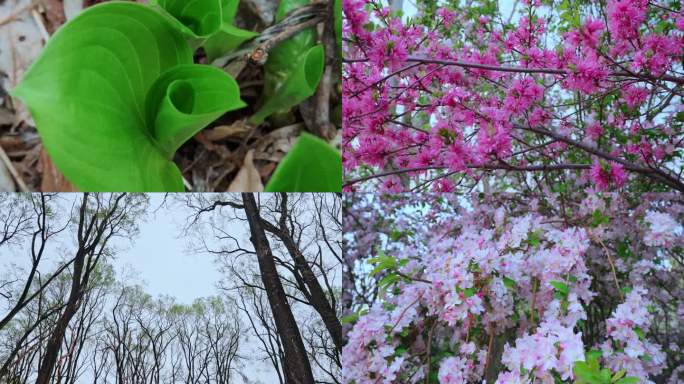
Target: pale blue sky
(160,256)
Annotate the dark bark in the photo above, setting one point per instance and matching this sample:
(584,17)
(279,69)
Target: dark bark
(94,230)
(297,367)
(316,295)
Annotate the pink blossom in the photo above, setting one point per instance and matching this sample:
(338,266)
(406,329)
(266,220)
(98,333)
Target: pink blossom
(656,54)
(618,175)
(522,94)
(594,130)
(599,176)
(680,23)
(625,17)
(661,229)
(453,370)
(634,96)
(605,174)
(586,74)
(447,16)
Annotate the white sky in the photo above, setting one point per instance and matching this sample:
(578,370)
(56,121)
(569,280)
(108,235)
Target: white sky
(506,6)
(161,258)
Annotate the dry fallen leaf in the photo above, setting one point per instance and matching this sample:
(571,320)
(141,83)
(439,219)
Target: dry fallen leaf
(248,178)
(53,179)
(276,144)
(6,117)
(237,129)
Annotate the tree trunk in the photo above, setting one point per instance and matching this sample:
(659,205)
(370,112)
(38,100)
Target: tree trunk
(55,341)
(317,296)
(297,368)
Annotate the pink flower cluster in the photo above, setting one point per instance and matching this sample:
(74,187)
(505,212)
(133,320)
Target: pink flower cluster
(471,276)
(606,174)
(465,275)
(627,348)
(661,229)
(464,110)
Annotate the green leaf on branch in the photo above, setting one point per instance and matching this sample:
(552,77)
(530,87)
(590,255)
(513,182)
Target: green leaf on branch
(469,292)
(388,280)
(382,263)
(533,238)
(312,165)
(618,375)
(628,380)
(639,333)
(115,92)
(560,287)
(598,218)
(349,319)
(508,282)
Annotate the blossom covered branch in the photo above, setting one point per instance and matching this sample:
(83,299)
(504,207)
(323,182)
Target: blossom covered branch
(443,93)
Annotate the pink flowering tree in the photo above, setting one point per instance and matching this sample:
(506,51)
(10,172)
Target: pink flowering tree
(460,95)
(569,287)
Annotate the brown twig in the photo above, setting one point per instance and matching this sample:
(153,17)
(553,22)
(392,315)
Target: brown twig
(259,55)
(612,267)
(429,354)
(489,349)
(531,168)
(8,164)
(549,71)
(534,299)
(322,124)
(18,12)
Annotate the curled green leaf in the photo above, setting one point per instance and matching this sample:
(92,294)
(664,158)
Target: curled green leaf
(299,85)
(187,98)
(114,94)
(311,166)
(228,37)
(198,18)
(295,62)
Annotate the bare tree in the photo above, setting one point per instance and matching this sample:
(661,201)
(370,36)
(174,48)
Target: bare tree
(297,367)
(100,218)
(303,243)
(16,223)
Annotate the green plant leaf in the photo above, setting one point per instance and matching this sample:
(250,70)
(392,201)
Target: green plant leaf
(584,374)
(187,98)
(383,262)
(297,87)
(197,18)
(338,23)
(561,287)
(228,37)
(628,380)
(293,69)
(311,166)
(618,375)
(349,319)
(95,91)
(508,282)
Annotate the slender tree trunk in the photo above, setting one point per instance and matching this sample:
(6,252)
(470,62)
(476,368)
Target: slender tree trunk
(47,365)
(297,367)
(317,296)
